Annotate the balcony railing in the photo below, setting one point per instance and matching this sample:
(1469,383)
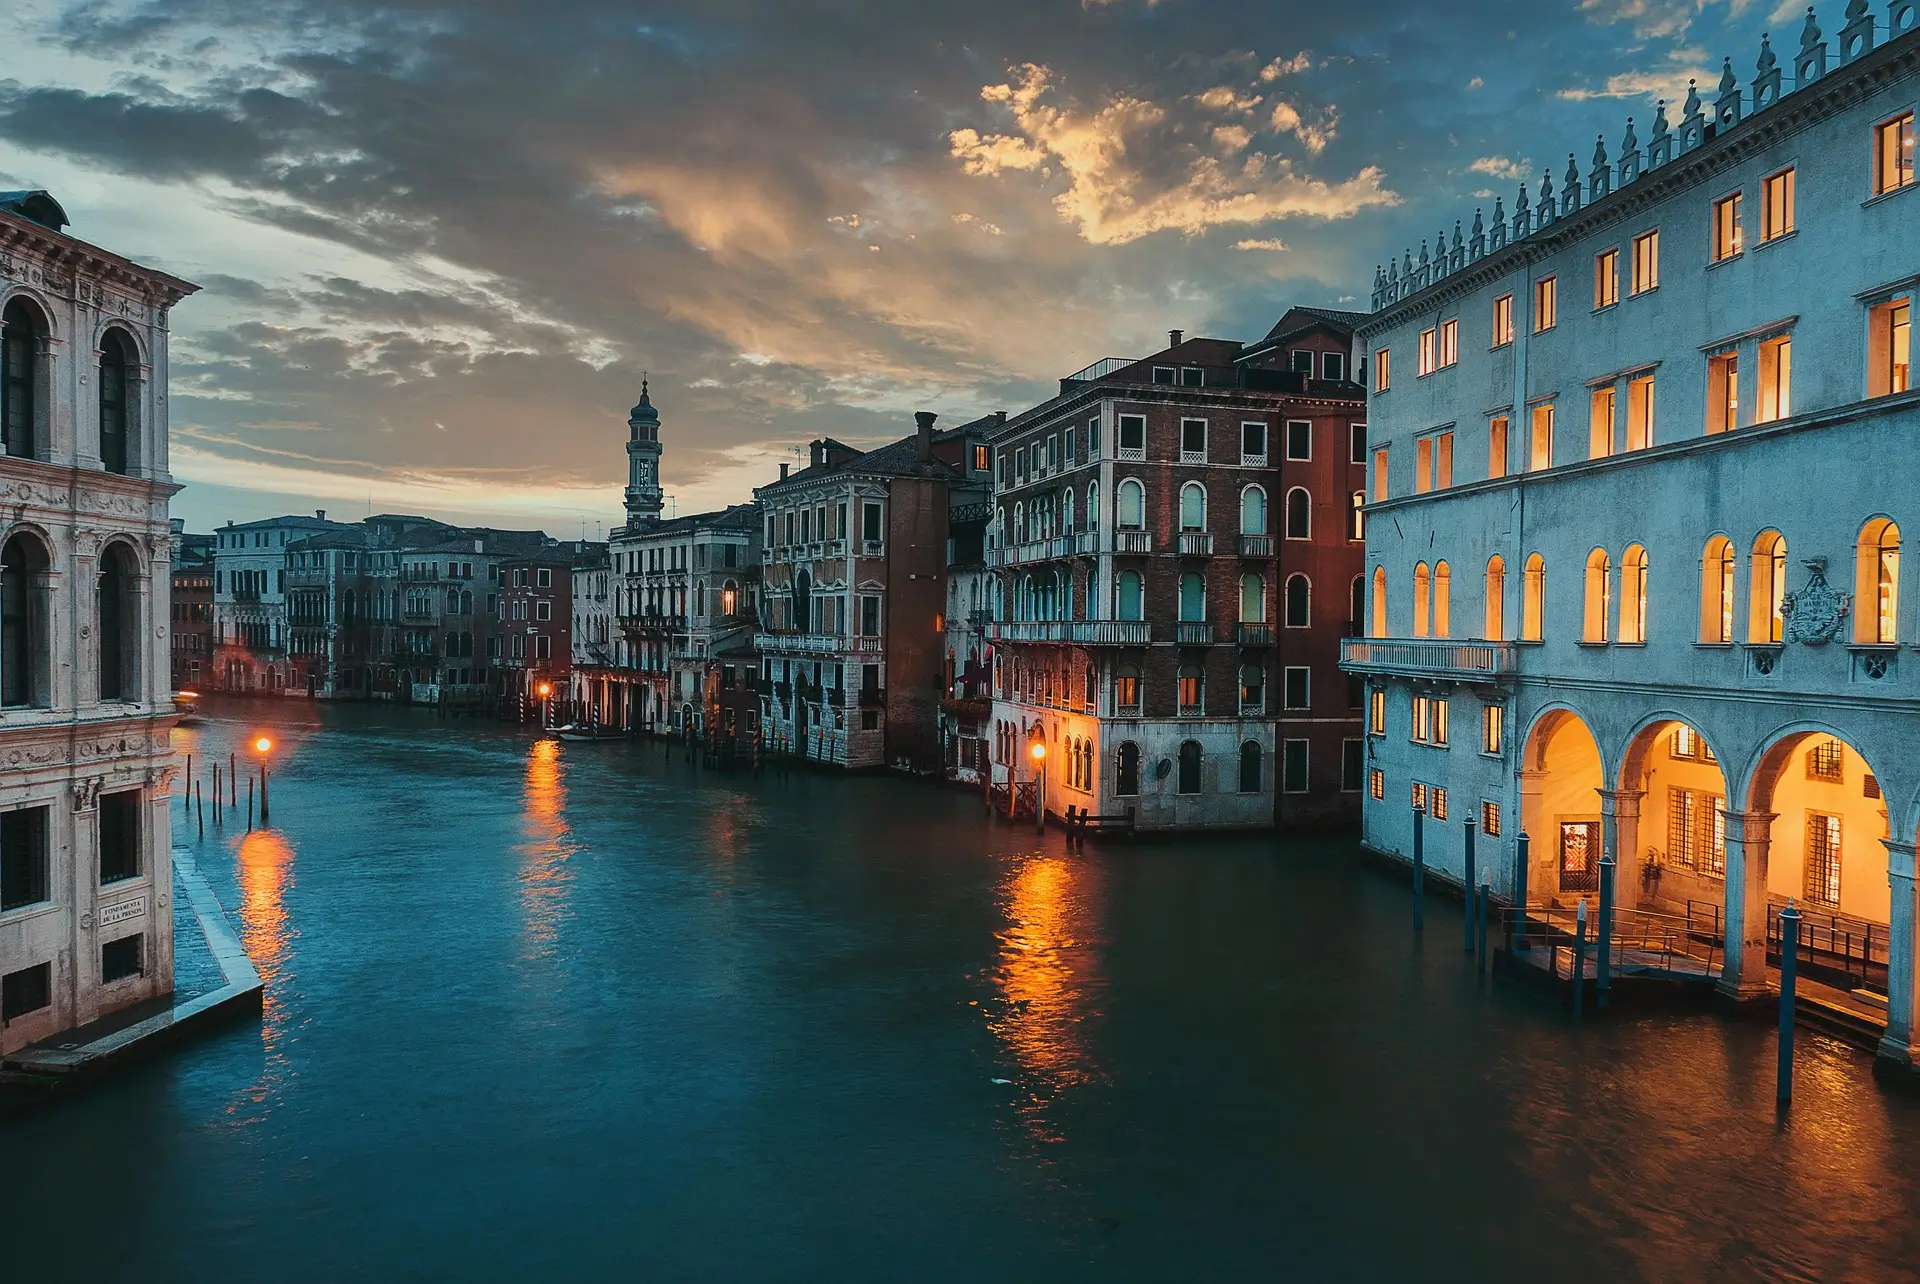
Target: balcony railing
(1126,541)
(1086,542)
(1256,634)
(1256,546)
(1080,632)
(1101,369)
(1194,633)
(816,643)
(1434,656)
(1196,544)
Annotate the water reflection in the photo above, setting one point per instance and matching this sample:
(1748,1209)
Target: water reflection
(1049,982)
(545,878)
(263,866)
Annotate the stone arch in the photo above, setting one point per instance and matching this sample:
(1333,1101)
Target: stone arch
(1563,774)
(1669,816)
(1825,845)
(126,330)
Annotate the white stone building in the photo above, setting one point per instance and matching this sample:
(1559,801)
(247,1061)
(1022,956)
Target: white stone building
(1640,461)
(85,878)
(251,633)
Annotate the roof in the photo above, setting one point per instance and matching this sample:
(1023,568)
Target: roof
(1297,319)
(895,459)
(37,206)
(290,522)
(349,537)
(734,517)
(40,224)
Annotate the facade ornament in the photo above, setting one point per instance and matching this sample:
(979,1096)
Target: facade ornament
(1856,38)
(1600,177)
(1457,259)
(1766,85)
(1902,17)
(1548,206)
(1817,613)
(1811,62)
(1477,244)
(1629,155)
(1522,219)
(1726,108)
(1693,122)
(1499,223)
(1570,195)
(86,794)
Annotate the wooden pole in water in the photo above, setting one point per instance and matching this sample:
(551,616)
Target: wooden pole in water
(249,804)
(1467,880)
(1419,868)
(1789,975)
(187,800)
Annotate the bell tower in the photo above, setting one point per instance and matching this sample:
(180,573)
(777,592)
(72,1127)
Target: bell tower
(643,463)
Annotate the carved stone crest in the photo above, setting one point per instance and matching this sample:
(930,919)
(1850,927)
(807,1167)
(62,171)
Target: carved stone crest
(1816,614)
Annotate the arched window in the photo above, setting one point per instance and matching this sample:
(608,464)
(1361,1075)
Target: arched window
(1253,688)
(1633,595)
(1599,599)
(1193,597)
(118,624)
(23,623)
(1356,605)
(1253,598)
(1379,628)
(1127,774)
(1004,524)
(1131,504)
(1126,690)
(1189,772)
(1533,604)
(1716,591)
(1442,600)
(1193,689)
(1299,514)
(802,609)
(1300,601)
(466,602)
(1422,599)
(116,386)
(1193,507)
(1250,767)
(1093,505)
(1066,511)
(1877,583)
(1253,511)
(1767,588)
(1020,523)
(347,605)
(1127,604)
(22,334)
(1357,516)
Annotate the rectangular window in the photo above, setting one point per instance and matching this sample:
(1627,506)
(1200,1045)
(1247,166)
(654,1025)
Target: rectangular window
(1823,858)
(1020,464)
(1449,343)
(1490,819)
(1439,797)
(1357,443)
(1333,366)
(1497,446)
(1600,424)
(1300,361)
(1163,374)
(1253,443)
(1377,785)
(869,617)
(1093,437)
(1893,154)
(543,610)
(1540,456)
(543,578)
(982,459)
(1546,299)
(1438,723)
(1776,205)
(1423,465)
(1382,374)
(121,959)
(1889,327)
(1723,392)
(1606,278)
(1293,775)
(870,523)
(1193,441)
(1492,720)
(1192,377)
(1775,393)
(1826,761)
(1053,453)
(1442,460)
(1133,436)
(119,836)
(28,990)
(543,647)
(1421,727)
(1379,474)
(1377,712)
(1299,439)
(1726,228)
(1296,687)
(1419,796)
(1066,447)
(1646,261)
(23,857)
(1429,351)
(1353,764)
(1640,413)
(1503,321)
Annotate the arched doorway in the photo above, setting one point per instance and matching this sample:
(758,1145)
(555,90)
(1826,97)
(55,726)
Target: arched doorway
(1561,779)
(1670,822)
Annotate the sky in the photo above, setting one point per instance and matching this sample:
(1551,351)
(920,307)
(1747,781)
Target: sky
(440,243)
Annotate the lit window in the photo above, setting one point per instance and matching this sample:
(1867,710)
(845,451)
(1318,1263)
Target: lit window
(1496,615)
(1503,320)
(1646,261)
(1423,466)
(1377,712)
(1439,796)
(1599,600)
(1533,598)
(1633,595)
(1422,601)
(1716,592)
(1491,733)
(1546,294)
(1540,457)
(1421,726)
(1490,819)
(1893,154)
(1497,446)
(1379,474)
(1419,796)
(1723,392)
(1776,205)
(1726,228)
(1640,413)
(1776,380)
(1377,785)
(1827,762)
(1767,581)
(1443,461)
(1429,351)
(1600,427)
(1449,342)
(1888,327)
(1606,279)
(1877,583)
(1381,371)
(1823,858)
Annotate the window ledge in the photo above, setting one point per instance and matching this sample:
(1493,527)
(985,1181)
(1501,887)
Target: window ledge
(1734,257)
(1878,197)
(1496,347)
(1637,646)
(1714,646)
(1873,648)
(1530,642)
(1591,645)
(1641,294)
(1606,307)
(1787,235)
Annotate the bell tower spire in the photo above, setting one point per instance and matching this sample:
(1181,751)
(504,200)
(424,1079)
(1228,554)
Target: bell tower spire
(643,462)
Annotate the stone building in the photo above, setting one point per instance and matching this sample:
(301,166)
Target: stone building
(685,590)
(533,648)
(191,598)
(250,629)
(1175,545)
(85,875)
(1638,457)
(854,591)
(593,636)
(966,708)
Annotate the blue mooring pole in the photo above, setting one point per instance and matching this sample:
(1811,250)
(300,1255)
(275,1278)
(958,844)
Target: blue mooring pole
(1486,894)
(1579,955)
(1419,867)
(1520,893)
(1603,964)
(1466,882)
(1789,974)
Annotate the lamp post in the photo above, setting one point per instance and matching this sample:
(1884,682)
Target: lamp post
(546,704)
(1039,752)
(263,746)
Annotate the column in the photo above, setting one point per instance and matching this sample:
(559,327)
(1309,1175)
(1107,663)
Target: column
(1898,1044)
(1744,974)
(1620,821)
(1541,880)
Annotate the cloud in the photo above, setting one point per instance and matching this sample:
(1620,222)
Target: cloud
(1285,67)
(1268,244)
(1501,167)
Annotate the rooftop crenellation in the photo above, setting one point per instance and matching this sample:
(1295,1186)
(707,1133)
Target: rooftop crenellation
(1731,104)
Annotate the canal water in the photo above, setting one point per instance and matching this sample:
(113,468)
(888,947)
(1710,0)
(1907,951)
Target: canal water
(554,1011)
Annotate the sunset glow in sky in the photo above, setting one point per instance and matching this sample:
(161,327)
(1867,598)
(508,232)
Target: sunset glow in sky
(441,241)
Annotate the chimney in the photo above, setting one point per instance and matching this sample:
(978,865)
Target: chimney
(924,419)
(1174,337)
(1000,416)
(817,452)
(320,513)
(783,471)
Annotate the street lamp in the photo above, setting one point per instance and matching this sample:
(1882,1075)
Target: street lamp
(263,746)
(1039,752)
(546,690)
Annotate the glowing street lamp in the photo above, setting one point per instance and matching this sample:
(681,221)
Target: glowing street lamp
(546,704)
(1039,752)
(263,746)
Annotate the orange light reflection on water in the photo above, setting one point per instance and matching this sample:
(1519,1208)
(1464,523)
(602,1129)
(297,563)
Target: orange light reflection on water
(544,875)
(263,866)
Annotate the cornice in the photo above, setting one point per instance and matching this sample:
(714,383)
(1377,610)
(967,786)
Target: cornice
(80,259)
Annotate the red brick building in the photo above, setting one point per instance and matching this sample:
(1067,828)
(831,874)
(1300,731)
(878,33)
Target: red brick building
(1176,551)
(534,633)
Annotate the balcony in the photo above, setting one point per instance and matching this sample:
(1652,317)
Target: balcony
(1256,634)
(1100,369)
(872,697)
(834,548)
(1127,541)
(1256,546)
(816,644)
(871,548)
(1194,633)
(1087,542)
(1078,632)
(1430,657)
(1196,544)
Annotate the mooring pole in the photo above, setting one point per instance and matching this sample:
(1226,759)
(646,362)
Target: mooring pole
(263,791)
(1419,867)
(1486,894)
(233,783)
(1789,976)
(1579,955)
(186,802)
(1466,882)
(249,804)
(1520,892)
(1603,965)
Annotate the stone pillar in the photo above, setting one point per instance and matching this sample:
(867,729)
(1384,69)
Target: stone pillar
(1744,974)
(1620,822)
(1898,1044)
(1542,880)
